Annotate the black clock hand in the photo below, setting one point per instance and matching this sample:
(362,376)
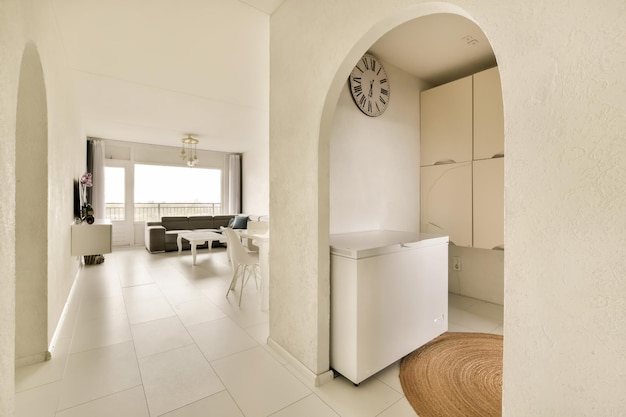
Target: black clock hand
(371,87)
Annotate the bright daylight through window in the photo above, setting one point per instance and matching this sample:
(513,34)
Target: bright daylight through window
(166,191)
(176,191)
(114,191)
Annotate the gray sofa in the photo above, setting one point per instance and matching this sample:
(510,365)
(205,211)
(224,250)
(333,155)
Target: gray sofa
(161,236)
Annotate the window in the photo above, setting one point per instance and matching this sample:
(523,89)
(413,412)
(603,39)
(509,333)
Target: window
(114,191)
(176,191)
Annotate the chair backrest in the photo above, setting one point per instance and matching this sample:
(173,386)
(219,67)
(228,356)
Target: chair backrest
(228,246)
(238,254)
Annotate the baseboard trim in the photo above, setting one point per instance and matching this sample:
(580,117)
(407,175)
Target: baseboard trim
(32,359)
(55,337)
(47,355)
(311,377)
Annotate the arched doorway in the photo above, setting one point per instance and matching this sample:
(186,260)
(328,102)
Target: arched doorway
(328,124)
(31,212)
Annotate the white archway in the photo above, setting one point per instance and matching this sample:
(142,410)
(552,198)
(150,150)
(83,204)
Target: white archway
(563,287)
(326,122)
(31,212)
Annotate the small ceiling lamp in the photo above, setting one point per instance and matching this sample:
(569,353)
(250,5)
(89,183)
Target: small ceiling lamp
(189,153)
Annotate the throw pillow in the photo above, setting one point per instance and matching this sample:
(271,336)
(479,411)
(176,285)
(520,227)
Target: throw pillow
(230,222)
(241,222)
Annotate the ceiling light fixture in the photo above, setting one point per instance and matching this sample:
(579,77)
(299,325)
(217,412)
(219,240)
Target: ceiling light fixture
(189,152)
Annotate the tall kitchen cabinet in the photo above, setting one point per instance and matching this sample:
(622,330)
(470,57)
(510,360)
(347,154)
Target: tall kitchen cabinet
(462,170)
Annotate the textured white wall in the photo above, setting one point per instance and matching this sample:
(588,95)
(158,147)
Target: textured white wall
(21,21)
(256,179)
(375,161)
(562,66)
(481,275)
(66,152)
(11,47)
(31,211)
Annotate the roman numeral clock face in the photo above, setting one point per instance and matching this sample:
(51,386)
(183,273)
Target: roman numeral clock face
(369,86)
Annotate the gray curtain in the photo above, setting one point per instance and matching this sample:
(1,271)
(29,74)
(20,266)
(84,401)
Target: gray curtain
(95,165)
(234,183)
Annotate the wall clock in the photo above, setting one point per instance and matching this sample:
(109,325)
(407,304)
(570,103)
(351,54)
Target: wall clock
(369,86)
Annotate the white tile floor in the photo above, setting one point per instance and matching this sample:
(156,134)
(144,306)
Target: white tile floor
(150,335)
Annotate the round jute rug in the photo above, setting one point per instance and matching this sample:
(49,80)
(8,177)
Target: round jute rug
(455,375)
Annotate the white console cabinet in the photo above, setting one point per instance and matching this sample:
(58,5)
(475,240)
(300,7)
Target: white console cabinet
(91,239)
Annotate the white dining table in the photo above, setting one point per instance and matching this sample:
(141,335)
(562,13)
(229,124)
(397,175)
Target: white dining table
(262,240)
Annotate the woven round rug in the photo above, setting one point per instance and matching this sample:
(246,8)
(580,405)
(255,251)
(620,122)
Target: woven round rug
(455,375)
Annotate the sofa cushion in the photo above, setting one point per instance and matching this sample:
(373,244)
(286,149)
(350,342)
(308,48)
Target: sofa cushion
(222,220)
(201,222)
(175,223)
(241,222)
(154,237)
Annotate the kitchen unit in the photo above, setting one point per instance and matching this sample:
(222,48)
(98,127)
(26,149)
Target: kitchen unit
(462,161)
(389,296)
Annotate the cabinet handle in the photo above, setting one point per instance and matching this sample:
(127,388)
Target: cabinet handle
(498,155)
(436,225)
(445,162)
(498,247)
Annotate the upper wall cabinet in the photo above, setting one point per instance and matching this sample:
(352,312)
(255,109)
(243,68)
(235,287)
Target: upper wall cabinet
(462,142)
(446,123)
(488,115)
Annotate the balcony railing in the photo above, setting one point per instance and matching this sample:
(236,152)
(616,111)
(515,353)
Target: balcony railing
(154,211)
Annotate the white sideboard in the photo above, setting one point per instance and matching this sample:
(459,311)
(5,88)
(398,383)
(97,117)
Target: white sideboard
(92,239)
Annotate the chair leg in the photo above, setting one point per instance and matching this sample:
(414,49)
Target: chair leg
(240,273)
(257,277)
(233,281)
(243,282)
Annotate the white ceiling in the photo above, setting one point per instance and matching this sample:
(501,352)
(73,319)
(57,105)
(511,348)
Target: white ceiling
(267,6)
(437,48)
(153,71)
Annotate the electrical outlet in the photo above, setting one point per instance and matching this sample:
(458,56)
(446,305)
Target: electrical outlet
(456,263)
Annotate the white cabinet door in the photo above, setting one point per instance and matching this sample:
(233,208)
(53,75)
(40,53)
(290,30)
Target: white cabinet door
(446,123)
(488,115)
(91,239)
(446,201)
(489,203)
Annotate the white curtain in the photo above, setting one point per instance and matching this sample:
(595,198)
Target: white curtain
(97,191)
(234,183)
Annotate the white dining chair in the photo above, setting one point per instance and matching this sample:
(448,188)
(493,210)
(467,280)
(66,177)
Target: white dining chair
(256,227)
(242,261)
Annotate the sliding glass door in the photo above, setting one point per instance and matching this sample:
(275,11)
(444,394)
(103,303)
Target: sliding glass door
(118,185)
(137,193)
